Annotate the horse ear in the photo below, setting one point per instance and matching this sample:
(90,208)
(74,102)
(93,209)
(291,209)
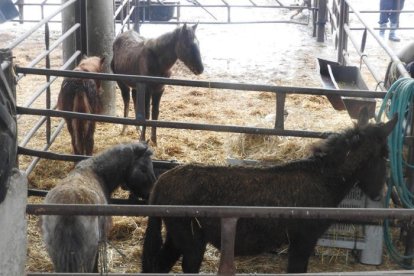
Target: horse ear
(141,148)
(195,27)
(389,126)
(363,116)
(102,60)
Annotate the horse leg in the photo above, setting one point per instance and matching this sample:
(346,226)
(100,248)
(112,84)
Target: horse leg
(135,99)
(168,255)
(72,136)
(125,97)
(147,110)
(89,139)
(301,247)
(193,246)
(193,257)
(156,98)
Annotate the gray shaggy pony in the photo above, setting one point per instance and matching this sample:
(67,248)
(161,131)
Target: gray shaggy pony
(72,241)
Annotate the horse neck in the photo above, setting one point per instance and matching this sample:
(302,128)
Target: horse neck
(343,170)
(163,48)
(109,172)
(319,184)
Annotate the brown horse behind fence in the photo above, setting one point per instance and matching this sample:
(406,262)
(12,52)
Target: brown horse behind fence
(135,55)
(82,95)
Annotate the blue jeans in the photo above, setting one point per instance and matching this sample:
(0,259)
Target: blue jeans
(393,17)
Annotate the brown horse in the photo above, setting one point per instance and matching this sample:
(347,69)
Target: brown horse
(82,95)
(135,55)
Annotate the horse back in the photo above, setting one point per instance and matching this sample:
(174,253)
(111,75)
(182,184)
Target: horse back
(129,54)
(241,186)
(78,187)
(72,241)
(132,55)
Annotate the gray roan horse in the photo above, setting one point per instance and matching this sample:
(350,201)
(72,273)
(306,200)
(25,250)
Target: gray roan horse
(135,55)
(355,157)
(72,241)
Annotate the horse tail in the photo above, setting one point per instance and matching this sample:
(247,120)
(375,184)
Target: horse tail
(152,244)
(72,242)
(86,100)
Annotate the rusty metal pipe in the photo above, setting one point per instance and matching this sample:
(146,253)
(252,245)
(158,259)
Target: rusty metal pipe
(337,214)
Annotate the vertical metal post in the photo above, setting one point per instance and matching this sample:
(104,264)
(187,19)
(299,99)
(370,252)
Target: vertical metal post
(343,37)
(48,97)
(322,15)
(280,110)
(82,43)
(314,17)
(178,13)
(100,35)
(409,242)
(70,44)
(228,237)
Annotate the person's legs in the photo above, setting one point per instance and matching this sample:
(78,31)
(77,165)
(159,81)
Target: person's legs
(394,19)
(384,16)
(385,5)
(397,5)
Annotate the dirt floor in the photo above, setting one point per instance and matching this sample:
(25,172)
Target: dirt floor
(276,54)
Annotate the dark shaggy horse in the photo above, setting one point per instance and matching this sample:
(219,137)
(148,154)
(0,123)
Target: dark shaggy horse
(355,157)
(135,55)
(82,95)
(72,241)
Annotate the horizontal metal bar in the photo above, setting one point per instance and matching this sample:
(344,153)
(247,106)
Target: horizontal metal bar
(21,38)
(223,22)
(204,84)
(159,164)
(353,273)
(223,6)
(120,201)
(175,125)
(337,214)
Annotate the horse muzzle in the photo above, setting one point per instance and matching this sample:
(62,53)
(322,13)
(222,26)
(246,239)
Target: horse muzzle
(197,71)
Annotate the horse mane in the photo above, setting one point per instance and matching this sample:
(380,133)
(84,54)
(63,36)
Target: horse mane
(336,147)
(161,41)
(106,158)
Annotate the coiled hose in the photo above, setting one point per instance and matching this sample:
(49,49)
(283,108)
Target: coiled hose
(398,99)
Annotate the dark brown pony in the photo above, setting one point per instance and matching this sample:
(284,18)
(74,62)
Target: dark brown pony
(135,55)
(356,157)
(82,95)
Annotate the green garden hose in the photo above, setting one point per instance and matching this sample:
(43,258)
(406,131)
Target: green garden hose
(398,100)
